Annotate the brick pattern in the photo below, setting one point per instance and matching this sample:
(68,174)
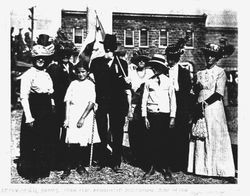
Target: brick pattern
(176,26)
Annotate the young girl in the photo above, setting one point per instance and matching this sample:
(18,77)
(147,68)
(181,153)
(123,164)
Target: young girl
(80,103)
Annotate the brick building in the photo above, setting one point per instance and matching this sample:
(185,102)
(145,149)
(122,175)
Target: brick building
(153,32)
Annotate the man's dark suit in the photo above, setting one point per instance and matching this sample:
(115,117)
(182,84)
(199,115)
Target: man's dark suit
(112,100)
(182,127)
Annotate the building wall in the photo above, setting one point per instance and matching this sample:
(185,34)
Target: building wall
(214,33)
(74,19)
(176,25)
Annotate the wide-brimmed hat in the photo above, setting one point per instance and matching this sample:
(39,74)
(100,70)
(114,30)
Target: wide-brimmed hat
(138,56)
(218,51)
(177,49)
(65,52)
(157,62)
(42,51)
(109,42)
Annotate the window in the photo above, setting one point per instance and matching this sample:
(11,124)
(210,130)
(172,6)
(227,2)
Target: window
(78,35)
(128,38)
(144,38)
(190,43)
(163,38)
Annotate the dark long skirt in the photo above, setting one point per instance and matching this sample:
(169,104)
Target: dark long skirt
(37,143)
(137,140)
(159,147)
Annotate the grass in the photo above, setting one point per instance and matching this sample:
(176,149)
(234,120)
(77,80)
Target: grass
(130,175)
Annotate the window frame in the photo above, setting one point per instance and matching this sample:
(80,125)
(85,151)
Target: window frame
(167,34)
(74,33)
(133,38)
(147,38)
(192,39)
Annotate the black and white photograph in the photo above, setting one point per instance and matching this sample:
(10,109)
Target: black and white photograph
(122,96)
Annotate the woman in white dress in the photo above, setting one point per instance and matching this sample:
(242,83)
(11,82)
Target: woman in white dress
(212,155)
(79,121)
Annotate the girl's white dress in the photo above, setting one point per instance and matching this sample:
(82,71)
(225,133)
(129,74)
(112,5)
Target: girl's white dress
(79,94)
(213,156)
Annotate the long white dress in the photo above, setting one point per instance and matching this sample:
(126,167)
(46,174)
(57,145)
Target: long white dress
(79,94)
(213,156)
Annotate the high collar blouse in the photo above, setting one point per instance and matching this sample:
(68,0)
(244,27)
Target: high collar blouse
(35,81)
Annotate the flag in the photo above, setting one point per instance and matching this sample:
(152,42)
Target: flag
(92,48)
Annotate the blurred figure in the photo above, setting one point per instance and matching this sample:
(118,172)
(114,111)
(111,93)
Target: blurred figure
(62,74)
(181,80)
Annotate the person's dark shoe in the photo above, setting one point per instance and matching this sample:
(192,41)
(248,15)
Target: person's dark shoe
(231,180)
(33,180)
(81,170)
(116,169)
(167,174)
(65,174)
(149,173)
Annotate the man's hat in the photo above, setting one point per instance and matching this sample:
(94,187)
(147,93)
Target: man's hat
(109,42)
(218,51)
(158,62)
(44,40)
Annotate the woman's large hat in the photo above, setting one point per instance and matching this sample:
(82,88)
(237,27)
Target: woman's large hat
(218,51)
(158,62)
(42,51)
(63,45)
(177,49)
(139,56)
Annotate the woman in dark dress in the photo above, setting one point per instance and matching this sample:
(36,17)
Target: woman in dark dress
(36,135)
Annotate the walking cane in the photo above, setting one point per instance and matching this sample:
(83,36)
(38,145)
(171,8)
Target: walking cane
(92,142)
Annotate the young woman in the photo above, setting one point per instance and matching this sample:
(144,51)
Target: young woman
(212,155)
(138,76)
(36,131)
(79,120)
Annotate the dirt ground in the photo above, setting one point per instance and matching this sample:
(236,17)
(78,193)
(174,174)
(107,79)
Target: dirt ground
(130,175)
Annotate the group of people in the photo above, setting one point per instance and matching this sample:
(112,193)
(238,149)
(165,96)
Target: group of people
(67,107)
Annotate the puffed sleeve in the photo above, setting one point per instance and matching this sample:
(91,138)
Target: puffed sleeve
(24,95)
(69,92)
(221,82)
